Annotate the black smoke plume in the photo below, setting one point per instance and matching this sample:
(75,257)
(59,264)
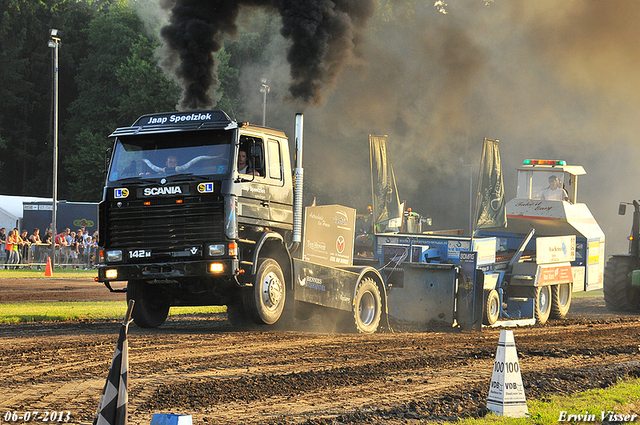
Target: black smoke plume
(323,35)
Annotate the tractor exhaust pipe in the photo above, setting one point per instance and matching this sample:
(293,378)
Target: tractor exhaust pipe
(298,182)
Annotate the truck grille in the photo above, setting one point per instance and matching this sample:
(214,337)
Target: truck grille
(165,224)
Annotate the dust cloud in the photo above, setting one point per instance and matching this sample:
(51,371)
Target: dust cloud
(549,79)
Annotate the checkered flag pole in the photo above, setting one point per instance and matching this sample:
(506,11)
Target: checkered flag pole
(112,409)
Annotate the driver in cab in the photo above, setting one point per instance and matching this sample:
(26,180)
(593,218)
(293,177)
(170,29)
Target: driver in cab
(243,165)
(555,191)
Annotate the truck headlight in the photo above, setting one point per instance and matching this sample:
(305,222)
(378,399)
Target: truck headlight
(114,255)
(111,273)
(216,249)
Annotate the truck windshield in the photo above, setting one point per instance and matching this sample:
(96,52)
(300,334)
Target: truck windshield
(198,153)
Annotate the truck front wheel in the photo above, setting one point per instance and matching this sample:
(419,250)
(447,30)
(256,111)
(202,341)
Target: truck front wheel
(367,306)
(151,307)
(560,300)
(543,304)
(265,301)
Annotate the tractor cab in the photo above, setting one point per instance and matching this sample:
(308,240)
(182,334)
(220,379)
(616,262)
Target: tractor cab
(535,175)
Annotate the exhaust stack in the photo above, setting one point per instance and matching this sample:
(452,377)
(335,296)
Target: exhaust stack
(298,182)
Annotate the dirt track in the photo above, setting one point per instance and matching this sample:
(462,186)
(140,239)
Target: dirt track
(203,367)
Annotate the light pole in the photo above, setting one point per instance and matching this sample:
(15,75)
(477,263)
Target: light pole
(264,89)
(54,43)
(471,211)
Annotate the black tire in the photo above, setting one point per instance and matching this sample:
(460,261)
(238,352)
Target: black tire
(491,310)
(151,306)
(264,302)
(619,295)
(367,306)
(542,308)
(561,300)
(237,315)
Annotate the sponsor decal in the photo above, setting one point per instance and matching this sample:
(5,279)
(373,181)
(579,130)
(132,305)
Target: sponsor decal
(316,246)
(555,275)
(205,187)
(169,190)
(120,193)
(312,282)
(340,244)
(342,219)
(83,222)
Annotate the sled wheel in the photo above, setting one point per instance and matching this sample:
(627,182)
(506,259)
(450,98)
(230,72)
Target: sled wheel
(265,301)
(560,300)
(543,304)
(151,306)
(491,307)
(367,306)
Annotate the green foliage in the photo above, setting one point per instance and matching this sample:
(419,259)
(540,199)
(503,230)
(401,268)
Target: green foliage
(118,81)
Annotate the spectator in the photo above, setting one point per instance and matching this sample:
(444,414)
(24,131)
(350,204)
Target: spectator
(12,246)
(25,248)
(62,246)
(79,245)
(73,254)
(3,245)
(45,248)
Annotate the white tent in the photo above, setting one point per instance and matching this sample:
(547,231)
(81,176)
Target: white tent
(11,210)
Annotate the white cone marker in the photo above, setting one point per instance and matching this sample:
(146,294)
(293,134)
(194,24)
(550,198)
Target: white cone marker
(506,392)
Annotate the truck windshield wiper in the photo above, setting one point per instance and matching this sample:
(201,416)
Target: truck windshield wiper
(137,179)
(187,177)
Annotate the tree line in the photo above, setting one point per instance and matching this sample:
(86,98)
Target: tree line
(108,76)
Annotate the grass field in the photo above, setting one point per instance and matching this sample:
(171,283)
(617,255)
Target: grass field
(594,406)
(81,310)
(35,273)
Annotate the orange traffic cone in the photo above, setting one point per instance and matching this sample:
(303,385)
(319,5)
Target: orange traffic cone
(48,271)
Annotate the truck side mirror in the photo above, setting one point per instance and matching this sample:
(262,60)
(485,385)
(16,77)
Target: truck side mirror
(107,160)
(622,208)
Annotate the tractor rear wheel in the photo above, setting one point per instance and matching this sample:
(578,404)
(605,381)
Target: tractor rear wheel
(543,304)
(561,300)
(619,295)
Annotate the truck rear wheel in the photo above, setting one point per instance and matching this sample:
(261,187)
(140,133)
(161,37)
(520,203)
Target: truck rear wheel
(151,307)
(491,307)
(367,306)
(619,295)
(265,301)
(542,309)
(561,300)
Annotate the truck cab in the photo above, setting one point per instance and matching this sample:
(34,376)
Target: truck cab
(178,222)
